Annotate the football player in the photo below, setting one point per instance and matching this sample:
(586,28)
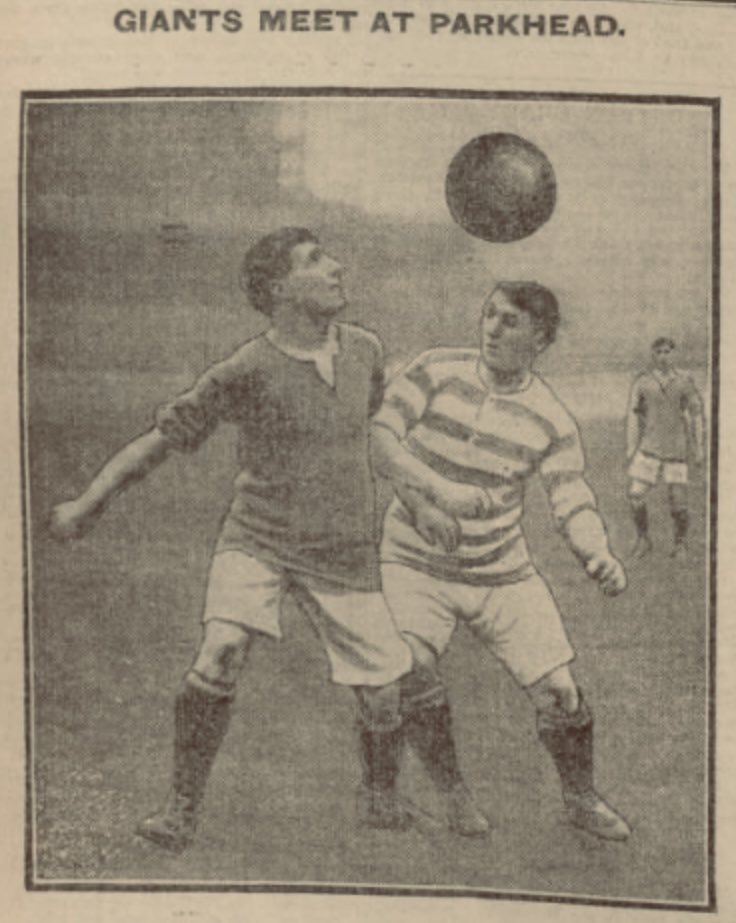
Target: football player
(301,522)
(665,414)
(461,433)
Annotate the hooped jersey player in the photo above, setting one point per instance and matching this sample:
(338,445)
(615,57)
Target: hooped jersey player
(447,416)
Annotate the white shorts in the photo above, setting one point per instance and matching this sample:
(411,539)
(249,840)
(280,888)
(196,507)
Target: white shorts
(519,622)
(647,468)
(358,632)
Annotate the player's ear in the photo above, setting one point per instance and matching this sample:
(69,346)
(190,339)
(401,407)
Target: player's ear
(276,288)
(540,341)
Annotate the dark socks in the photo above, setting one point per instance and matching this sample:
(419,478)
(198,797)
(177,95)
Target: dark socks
(428,721)
(429,731)
(380,755)
(201,721)
(569,739)
(681,521)
(641,519)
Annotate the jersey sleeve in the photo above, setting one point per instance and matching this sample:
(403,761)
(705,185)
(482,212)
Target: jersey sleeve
(563,475)
(692,402)
(406,399)
(637,401)
(635,415)
(187,420)
(378,377)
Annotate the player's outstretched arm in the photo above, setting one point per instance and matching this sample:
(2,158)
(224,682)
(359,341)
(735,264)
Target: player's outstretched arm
(74,518)
(588,539)
(395,463)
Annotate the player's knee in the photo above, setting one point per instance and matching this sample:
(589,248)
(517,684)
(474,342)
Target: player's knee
(422,687)
(637,492)
(677,497)
(223,651)
(556,693)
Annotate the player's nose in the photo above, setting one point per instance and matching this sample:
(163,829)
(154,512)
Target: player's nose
(493,327)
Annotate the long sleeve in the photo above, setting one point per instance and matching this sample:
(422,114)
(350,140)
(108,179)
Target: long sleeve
(634,418)
(187,420)
(378,378)
(405,400)
(563,475)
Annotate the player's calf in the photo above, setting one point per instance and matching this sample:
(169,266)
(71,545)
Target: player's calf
(640,515)
(380,747)
(568,736)
(428,719)
(201,717)
(680,518)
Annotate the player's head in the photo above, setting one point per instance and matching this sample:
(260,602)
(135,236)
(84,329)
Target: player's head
(663,349)
(289,267)
(518,321)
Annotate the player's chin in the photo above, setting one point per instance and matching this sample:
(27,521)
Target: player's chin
(493,359)
(496,361)
(330,306)
(340,299)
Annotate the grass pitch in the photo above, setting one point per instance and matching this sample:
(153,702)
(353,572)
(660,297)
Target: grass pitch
(114,624)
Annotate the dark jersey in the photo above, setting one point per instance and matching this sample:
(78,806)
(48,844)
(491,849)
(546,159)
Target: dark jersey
(662,402)
(304,497)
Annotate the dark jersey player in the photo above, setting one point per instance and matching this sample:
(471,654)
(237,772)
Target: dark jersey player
(665,413)
(301,521)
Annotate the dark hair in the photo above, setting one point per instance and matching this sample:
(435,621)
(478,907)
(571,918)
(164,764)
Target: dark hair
(537,301)
(268,260)
(663,341)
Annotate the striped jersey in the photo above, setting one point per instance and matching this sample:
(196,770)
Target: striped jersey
(445,412)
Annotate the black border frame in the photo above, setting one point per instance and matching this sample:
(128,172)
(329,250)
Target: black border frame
(712,103)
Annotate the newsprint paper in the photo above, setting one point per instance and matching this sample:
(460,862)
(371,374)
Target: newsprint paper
(366,544)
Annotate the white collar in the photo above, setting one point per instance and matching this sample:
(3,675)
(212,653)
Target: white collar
(664,378)
(322,357)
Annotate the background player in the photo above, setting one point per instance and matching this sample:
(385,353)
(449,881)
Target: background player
(461,433)
(665,412)
(302,519)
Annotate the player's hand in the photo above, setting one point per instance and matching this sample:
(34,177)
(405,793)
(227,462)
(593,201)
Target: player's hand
(435,526)
(70,520)
(461,499)
(608,572)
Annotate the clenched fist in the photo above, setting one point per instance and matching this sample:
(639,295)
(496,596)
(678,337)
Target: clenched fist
(71,519)
(609,573)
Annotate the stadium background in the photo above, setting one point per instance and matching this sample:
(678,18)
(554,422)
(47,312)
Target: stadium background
(136,216)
